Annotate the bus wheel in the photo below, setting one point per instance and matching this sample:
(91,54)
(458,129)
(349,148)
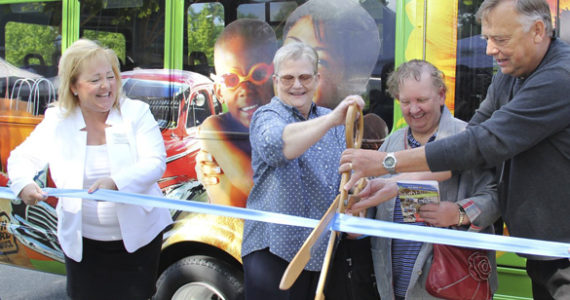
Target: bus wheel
(200,277)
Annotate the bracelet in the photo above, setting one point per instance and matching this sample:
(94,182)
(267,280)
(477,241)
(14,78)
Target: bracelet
(461,215)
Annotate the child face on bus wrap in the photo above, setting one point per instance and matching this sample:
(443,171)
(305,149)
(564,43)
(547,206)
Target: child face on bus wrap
(244,72)
(330,65)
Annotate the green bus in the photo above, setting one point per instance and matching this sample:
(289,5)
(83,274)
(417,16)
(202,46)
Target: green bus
(178,37)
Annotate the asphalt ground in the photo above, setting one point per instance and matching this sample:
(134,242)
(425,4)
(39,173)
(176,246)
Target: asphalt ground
(23,284)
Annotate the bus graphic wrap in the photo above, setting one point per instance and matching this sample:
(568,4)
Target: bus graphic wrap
(203,94)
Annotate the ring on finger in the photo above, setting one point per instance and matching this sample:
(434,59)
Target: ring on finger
(350,166)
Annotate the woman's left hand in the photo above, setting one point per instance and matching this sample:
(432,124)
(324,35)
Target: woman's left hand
(338,115)
(378,190)
(105,183)
(444,214)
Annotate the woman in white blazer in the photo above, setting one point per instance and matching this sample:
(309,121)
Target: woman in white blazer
(94,138)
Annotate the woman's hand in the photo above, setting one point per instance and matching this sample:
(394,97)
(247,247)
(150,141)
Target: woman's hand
(377,190)
(338,115)
(444,214)
(105,183)
(32,193)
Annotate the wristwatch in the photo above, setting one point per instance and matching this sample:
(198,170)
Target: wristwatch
(389,163)
(462,215)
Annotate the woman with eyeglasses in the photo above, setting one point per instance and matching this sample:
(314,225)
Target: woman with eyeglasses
(294,146)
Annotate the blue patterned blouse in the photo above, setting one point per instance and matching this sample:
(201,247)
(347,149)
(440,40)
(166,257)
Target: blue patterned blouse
(304,186)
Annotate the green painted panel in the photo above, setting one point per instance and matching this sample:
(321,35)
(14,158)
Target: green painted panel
(513,284)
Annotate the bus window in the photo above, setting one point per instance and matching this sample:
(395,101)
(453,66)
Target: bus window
(31,36)
(379,100)
(138,23)
(30,45)
(205,22)
(113,40)
(474,68)
(278,11)
(273,13)
(251,11)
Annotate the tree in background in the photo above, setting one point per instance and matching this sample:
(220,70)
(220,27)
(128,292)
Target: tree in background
(205,23)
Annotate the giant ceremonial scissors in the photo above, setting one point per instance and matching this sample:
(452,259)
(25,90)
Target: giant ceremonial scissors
(295,267)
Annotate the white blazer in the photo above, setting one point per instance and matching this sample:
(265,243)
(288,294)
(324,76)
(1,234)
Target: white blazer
(137,160)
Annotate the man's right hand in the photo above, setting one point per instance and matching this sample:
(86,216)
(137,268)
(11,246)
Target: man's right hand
(363,163)
(32,193)
(207,169)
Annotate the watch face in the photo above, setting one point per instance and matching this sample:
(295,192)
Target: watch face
(389,161)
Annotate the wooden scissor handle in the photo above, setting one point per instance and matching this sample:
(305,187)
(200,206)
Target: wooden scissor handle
(353,140)
(302,257)
(352,113)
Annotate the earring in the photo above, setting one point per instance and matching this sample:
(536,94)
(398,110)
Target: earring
(75,94)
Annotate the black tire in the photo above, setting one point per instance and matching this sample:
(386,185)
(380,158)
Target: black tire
(200,277)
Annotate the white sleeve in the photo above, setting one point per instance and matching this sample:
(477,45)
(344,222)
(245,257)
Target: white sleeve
(31,156)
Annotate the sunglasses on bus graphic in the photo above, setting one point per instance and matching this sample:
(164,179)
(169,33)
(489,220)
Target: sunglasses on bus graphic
(258,74)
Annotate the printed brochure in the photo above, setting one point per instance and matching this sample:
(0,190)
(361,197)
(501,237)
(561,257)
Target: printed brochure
(414,194)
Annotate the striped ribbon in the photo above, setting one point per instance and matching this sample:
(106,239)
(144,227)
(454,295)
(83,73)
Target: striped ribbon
(341,222)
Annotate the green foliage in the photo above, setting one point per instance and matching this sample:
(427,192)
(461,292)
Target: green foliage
(113,40)
(204,25)
(24,38)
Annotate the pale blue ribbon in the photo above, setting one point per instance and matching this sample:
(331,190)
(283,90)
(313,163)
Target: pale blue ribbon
(341,222)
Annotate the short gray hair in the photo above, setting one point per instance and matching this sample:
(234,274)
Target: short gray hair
(295,51)
(414,69)
(529,11)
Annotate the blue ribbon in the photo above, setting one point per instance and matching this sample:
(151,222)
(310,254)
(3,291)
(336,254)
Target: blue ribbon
(344,223)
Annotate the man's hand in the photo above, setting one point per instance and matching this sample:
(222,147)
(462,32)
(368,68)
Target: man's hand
(362,163)
(377,191)
(444,214)
(207,169)
(105,183)
(32,193)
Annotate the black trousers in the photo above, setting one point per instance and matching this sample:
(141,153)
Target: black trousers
(550,278)
(262,273)
(351,276)
(108,271)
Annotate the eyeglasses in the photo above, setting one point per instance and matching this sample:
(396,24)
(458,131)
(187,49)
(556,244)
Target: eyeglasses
(258,75)
(288,79)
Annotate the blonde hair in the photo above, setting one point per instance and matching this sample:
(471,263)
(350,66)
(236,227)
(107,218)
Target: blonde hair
(71,65)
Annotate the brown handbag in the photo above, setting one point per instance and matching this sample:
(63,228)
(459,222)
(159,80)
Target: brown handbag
(459,273)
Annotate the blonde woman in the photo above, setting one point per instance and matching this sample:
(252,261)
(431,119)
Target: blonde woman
(94,138)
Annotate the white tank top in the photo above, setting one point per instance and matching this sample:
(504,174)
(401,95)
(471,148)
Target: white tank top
(99,218)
